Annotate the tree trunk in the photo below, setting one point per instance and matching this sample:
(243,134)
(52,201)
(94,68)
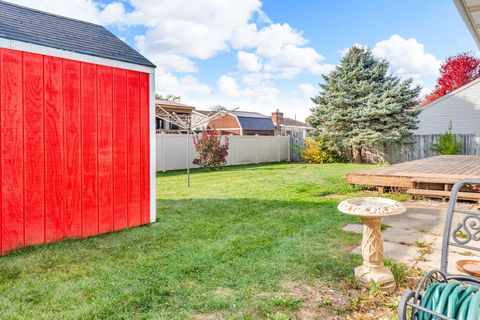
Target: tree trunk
(356,154)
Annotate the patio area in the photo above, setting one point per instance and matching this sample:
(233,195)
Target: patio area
(415,237)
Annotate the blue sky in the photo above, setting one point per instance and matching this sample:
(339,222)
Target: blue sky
(263,55)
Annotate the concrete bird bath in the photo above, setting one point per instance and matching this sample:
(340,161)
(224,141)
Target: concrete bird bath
(371,210)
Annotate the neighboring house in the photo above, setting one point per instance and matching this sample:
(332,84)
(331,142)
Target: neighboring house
(287,126)
(461,107)
(243,123)
(177,108)
(78,149)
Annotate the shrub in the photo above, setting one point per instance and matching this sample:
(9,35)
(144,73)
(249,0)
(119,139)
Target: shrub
(211,152)
(317,151)
(448,143)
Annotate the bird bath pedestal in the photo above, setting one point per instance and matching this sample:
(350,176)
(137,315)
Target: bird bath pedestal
(371,210)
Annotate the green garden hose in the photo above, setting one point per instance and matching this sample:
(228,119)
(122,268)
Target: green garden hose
(454,300)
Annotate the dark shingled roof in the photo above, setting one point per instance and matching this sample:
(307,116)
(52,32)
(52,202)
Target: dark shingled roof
(256,123)
(253,120)
(50,30)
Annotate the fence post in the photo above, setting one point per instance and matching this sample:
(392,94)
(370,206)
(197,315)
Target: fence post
(289,146)
(256,149)
(278,144)
(164,158)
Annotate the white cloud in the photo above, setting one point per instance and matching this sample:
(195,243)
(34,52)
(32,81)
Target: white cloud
(407,57)
(248,61)
(177,32)
(293,60)
(255,78)
(87,10)
(168,83)
(228,86)
(173,63)
(195,28)
(112,13)
(283,49)
(264,93)
(205,28)
(307,90)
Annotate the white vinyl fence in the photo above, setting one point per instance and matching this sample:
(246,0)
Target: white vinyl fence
(171,150)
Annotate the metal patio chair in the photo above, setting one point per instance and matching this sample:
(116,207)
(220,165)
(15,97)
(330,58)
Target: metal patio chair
(461,236)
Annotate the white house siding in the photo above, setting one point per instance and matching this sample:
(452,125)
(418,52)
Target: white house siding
(461,106)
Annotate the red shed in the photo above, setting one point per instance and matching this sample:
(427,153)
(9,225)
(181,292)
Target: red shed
(77,130)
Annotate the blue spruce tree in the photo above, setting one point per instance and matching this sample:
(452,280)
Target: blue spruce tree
(361,105)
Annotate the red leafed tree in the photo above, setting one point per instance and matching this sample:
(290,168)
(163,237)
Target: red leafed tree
(212,153)
(455,72)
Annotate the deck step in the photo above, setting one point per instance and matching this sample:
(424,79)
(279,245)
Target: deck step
(443,194)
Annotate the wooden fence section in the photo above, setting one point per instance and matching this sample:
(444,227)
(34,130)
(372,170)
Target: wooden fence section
(420,148)
(296,145)
(172,150)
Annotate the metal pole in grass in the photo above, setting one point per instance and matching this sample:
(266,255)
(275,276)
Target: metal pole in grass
(188,157)
(185,121)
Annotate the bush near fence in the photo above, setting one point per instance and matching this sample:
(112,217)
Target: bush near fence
(171,150)
(421,147)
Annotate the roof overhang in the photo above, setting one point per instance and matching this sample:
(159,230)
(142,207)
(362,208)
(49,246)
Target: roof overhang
(174,106)
(470,12)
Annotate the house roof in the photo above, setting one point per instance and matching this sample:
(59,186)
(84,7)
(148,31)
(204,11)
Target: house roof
(448,95)
(288,122)
(173,104)
(248,120)
(256,123)
(253,121)
(248,114)
(470,12)
(50,30)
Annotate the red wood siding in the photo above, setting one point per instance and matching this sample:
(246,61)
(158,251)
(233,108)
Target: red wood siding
(134,183)
(74,149)
(105,148)
(54,188)
(12,149)
(120,181)
(144,149)
(34,121)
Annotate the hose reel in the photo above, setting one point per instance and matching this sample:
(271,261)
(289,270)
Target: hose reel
(440,294)
(442,297)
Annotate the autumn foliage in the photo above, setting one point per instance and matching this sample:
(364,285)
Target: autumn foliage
(212,153)
(316,151)
(455,72)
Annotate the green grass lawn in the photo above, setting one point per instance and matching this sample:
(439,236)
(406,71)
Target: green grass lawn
(228,247)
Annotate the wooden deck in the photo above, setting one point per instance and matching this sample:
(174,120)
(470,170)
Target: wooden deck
(434,173)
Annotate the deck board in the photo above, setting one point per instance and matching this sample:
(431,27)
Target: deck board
(402,175)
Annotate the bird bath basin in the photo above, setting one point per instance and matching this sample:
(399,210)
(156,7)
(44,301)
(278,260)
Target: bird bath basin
(371,210)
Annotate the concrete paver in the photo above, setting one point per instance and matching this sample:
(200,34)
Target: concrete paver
(415,237)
